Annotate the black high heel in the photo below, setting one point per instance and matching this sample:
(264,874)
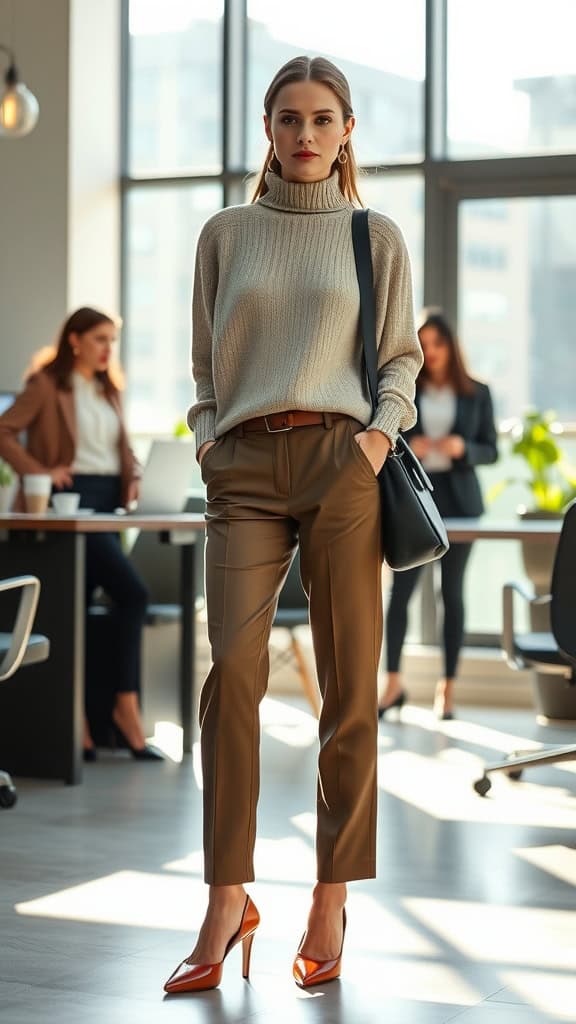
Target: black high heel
(147,753)
(398,702)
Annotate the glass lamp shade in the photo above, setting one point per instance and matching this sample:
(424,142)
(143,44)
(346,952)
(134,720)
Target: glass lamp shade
(18,110)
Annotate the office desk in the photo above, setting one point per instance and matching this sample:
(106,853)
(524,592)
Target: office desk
(540,531)
(41,710)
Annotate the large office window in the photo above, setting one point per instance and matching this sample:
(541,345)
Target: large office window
(511,77)
(163,224)
(175,96)
(401,197)
(380,49)
(518,300)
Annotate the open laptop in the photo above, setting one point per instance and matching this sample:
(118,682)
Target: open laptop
(167,477)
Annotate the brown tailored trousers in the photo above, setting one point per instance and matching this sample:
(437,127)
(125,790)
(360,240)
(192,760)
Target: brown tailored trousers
(267,491)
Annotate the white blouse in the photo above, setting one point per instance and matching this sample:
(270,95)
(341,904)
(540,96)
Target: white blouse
(98,430)
(437,415)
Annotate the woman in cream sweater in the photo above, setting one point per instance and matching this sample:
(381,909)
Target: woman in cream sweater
(289,451)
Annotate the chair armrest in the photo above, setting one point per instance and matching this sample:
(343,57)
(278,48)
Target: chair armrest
(529,595)
(30,587)
(508,591)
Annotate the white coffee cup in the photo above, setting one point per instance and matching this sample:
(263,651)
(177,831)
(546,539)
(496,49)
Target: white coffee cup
(37,487)
(66,503)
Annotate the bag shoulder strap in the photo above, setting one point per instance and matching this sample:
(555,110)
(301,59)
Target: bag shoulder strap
(364,271)
(365,274)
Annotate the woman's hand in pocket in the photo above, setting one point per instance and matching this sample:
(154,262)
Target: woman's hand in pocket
(375,446)
(203,449)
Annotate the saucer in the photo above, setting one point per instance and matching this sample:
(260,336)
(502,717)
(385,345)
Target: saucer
(73,515)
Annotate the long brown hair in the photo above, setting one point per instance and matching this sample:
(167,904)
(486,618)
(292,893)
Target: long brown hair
(315,69)
(458,375)
(58,360)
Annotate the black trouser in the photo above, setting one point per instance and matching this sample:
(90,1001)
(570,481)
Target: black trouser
(452,567)
(108,567)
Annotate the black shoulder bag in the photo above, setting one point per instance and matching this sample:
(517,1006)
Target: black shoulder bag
(413,532)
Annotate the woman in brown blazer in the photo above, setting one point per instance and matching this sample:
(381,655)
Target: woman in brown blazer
(71,412)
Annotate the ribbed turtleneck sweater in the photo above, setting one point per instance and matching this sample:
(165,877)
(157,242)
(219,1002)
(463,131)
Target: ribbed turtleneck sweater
(275,313)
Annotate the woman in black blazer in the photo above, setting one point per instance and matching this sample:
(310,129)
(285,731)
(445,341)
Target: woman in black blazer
(455,432)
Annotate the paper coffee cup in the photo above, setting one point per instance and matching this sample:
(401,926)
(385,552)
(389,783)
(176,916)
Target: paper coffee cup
(66,503)
(37,488)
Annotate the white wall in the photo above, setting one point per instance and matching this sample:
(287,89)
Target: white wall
(59,238)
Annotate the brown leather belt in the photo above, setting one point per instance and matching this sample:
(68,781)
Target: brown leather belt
(277,422)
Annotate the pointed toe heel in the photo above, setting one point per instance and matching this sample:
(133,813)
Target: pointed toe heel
(307,972)
(200,977)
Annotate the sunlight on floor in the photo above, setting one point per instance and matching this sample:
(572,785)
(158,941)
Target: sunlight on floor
(168,737)
(549,992)
(530,936)
(291,859)
(287,723)
(558,861)
(306,822)
(176,903)
(479,735)
(442,788)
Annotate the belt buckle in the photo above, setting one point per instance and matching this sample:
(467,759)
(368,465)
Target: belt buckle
(277,430)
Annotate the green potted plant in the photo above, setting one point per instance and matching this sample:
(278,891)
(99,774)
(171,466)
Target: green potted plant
(551,481)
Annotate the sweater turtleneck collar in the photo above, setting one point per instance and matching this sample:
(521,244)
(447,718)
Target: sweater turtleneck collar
(304,197)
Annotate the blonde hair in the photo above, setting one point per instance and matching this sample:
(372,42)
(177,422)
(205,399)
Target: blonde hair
(315,69)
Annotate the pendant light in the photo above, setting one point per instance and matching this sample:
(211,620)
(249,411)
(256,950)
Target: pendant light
(18,106)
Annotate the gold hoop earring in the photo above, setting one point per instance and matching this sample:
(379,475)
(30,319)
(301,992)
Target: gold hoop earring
(269,166)
(342,156)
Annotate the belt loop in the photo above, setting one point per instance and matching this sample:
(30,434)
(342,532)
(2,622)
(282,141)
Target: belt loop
(327,420)
(240,430)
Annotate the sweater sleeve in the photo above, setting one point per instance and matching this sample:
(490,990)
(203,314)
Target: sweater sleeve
(18,418)
(399,352)
(202,415)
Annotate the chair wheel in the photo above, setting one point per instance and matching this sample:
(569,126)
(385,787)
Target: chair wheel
(483,785)
(515,774)
(8,796)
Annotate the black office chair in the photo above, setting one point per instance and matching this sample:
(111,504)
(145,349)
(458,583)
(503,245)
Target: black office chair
(292,611)
(553,653)
(18,648)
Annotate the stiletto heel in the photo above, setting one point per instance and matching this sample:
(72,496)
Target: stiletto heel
(199,977)
(246,954)
(399,703)
(307,972)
